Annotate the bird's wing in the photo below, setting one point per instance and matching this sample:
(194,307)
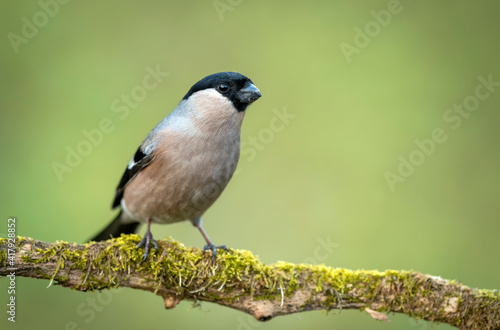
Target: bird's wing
(136,164)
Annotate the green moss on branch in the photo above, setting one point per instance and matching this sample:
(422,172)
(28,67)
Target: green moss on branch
(239,280)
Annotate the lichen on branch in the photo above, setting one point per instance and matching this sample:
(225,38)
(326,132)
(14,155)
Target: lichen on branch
(240,281)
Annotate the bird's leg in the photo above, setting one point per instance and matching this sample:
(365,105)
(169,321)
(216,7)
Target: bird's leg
(146,239)
(210,245)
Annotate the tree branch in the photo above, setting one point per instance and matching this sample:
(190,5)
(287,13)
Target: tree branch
(240,281)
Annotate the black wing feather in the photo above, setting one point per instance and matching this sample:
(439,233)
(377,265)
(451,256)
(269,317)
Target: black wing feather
(141,160)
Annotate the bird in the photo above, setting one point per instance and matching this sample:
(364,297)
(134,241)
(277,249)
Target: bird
(185,162)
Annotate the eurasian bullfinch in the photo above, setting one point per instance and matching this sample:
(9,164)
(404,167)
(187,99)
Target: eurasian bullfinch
(186,161)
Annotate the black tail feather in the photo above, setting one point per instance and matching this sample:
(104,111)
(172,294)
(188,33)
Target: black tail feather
(115,228)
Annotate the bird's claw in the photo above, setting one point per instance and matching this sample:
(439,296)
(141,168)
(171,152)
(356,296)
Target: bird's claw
(146,239)
(214,249)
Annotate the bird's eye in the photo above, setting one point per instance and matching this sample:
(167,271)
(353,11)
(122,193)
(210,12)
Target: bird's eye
(223,87)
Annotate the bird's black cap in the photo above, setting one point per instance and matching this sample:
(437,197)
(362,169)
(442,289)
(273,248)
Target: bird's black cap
(238,88)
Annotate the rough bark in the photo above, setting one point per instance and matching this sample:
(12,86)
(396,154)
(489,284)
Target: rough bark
(240,281)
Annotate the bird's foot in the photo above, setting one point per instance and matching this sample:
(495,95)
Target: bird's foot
(146,239)
(214,249)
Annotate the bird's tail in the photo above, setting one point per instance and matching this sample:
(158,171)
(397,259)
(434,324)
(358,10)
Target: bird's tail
(115,228)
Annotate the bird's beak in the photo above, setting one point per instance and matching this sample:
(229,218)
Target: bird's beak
(249,93)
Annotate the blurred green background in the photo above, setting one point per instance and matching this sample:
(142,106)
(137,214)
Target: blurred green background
(359,101)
